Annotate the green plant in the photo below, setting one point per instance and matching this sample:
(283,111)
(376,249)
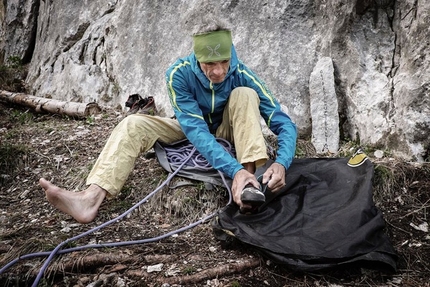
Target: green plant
(383,182)
(12,75)
(116,88)
(125,192)
(189,270)
(90,120)
(22,117)
(14,62)
(305,148)
(300,152)
(10,135)
(383,174)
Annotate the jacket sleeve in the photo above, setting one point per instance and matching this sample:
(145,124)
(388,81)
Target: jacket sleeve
(196,130)
(277,120)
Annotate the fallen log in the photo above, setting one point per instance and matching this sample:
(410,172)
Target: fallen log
(76,263)
(215,272)
(73,109)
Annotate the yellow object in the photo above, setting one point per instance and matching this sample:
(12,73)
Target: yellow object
(357,159)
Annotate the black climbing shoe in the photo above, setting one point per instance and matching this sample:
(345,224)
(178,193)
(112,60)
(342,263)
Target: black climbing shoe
(252,196)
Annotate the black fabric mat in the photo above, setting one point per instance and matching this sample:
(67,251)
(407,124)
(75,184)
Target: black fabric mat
(323,218)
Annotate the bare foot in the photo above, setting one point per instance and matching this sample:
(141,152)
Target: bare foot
(82,206)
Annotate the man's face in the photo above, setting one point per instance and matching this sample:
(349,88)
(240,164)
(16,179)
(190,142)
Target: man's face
(215,71)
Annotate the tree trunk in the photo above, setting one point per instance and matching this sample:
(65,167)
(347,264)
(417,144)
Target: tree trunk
(73,109)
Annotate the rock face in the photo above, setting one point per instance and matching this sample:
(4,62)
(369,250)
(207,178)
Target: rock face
(106,50)
(18,23)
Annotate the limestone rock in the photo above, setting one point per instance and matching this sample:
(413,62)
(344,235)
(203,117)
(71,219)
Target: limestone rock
(18,22)
(324,107)
(104,51)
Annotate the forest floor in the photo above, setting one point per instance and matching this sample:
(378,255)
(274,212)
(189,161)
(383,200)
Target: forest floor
(63,150)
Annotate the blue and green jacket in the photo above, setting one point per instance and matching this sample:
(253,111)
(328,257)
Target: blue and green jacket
(199,104)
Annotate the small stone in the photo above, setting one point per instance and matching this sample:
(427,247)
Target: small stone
(379,153)
(155,268)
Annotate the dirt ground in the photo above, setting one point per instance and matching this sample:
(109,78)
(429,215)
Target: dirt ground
(63,150)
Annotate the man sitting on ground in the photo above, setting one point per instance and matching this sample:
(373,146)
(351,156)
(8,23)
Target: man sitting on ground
(213,94)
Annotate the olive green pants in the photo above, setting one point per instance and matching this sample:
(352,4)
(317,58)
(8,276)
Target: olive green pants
(138,133)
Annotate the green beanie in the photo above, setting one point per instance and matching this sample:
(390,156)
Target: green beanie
(213,46)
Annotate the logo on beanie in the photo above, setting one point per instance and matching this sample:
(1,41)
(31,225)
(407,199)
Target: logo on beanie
(213,51)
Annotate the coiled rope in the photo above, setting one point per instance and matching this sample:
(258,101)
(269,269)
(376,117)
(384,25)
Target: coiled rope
(178,158)
(176,155)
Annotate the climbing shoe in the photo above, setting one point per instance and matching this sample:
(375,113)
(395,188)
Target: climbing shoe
(140,105)
(252,196)
(357,159)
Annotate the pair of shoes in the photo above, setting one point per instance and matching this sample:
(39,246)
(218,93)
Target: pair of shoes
(140,105)
(252,196)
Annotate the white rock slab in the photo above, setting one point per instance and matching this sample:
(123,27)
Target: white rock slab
(324,107)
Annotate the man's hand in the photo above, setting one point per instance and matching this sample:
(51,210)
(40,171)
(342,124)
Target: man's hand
(275,177)
(240,180)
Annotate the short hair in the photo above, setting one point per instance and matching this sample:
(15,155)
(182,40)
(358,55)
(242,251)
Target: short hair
(204,19)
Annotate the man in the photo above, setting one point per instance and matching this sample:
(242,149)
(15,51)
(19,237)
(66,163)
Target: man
(213,94)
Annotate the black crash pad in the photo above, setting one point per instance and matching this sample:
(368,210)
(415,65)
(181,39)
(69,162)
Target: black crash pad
(324,217)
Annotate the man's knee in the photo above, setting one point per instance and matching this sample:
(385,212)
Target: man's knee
(240,95)
(135,120)
(243,91)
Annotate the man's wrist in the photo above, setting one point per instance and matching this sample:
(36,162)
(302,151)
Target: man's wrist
(283,165)
(234,174)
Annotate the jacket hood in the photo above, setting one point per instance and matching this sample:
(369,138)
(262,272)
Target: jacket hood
(202,77)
